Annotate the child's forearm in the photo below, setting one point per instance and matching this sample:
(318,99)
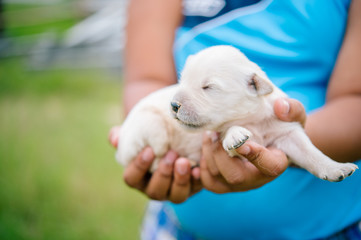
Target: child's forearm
(336,128)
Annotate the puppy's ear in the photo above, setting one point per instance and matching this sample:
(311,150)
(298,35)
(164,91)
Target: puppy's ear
(259,85)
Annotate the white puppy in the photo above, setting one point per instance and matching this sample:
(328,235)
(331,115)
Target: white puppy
(221,90)
(150,123)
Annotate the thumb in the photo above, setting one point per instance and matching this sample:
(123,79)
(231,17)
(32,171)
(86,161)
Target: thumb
(290,110)
(270,161)
(113,136)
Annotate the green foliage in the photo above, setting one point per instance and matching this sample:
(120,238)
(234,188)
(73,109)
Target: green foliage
(58,176)
(28,19)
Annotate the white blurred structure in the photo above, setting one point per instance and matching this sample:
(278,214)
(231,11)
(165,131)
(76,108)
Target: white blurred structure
(95,42)
(105,27)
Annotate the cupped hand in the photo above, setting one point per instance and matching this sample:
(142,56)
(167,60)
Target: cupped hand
(174,180)
(257,166)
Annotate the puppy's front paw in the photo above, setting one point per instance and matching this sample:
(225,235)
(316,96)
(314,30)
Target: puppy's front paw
(339,172)
(235,137)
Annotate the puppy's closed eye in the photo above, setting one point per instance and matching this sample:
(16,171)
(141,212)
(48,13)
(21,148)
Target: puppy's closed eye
(207,87)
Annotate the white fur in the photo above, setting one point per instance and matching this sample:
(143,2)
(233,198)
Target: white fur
(220,90)
(150,123)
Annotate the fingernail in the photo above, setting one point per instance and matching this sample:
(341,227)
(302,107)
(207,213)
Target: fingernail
(285,107)
(244,150)
(114,139)
(196,173)
(147,155)
(170,157)
(181,168)
(212,135)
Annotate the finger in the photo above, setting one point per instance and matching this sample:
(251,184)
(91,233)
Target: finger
(161,179)
(271,162)
(114,136)
(232,169)
(211,182)
(135,173)
(196,174)
(210,142)
(181,185)
(196,180)
(290,110)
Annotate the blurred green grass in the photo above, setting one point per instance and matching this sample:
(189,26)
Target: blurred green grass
(27,19)
(58,176)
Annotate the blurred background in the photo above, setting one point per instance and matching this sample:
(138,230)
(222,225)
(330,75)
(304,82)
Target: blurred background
(60,92)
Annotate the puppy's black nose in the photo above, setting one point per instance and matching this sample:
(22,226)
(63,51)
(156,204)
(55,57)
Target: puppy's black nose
(175,106)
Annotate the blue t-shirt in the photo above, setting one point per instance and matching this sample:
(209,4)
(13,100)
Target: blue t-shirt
(296,43)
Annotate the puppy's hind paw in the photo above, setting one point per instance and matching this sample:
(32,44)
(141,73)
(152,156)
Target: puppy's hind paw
(340,173)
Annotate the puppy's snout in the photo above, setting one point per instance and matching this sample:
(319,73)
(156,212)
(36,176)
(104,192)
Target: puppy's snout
(175,106)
